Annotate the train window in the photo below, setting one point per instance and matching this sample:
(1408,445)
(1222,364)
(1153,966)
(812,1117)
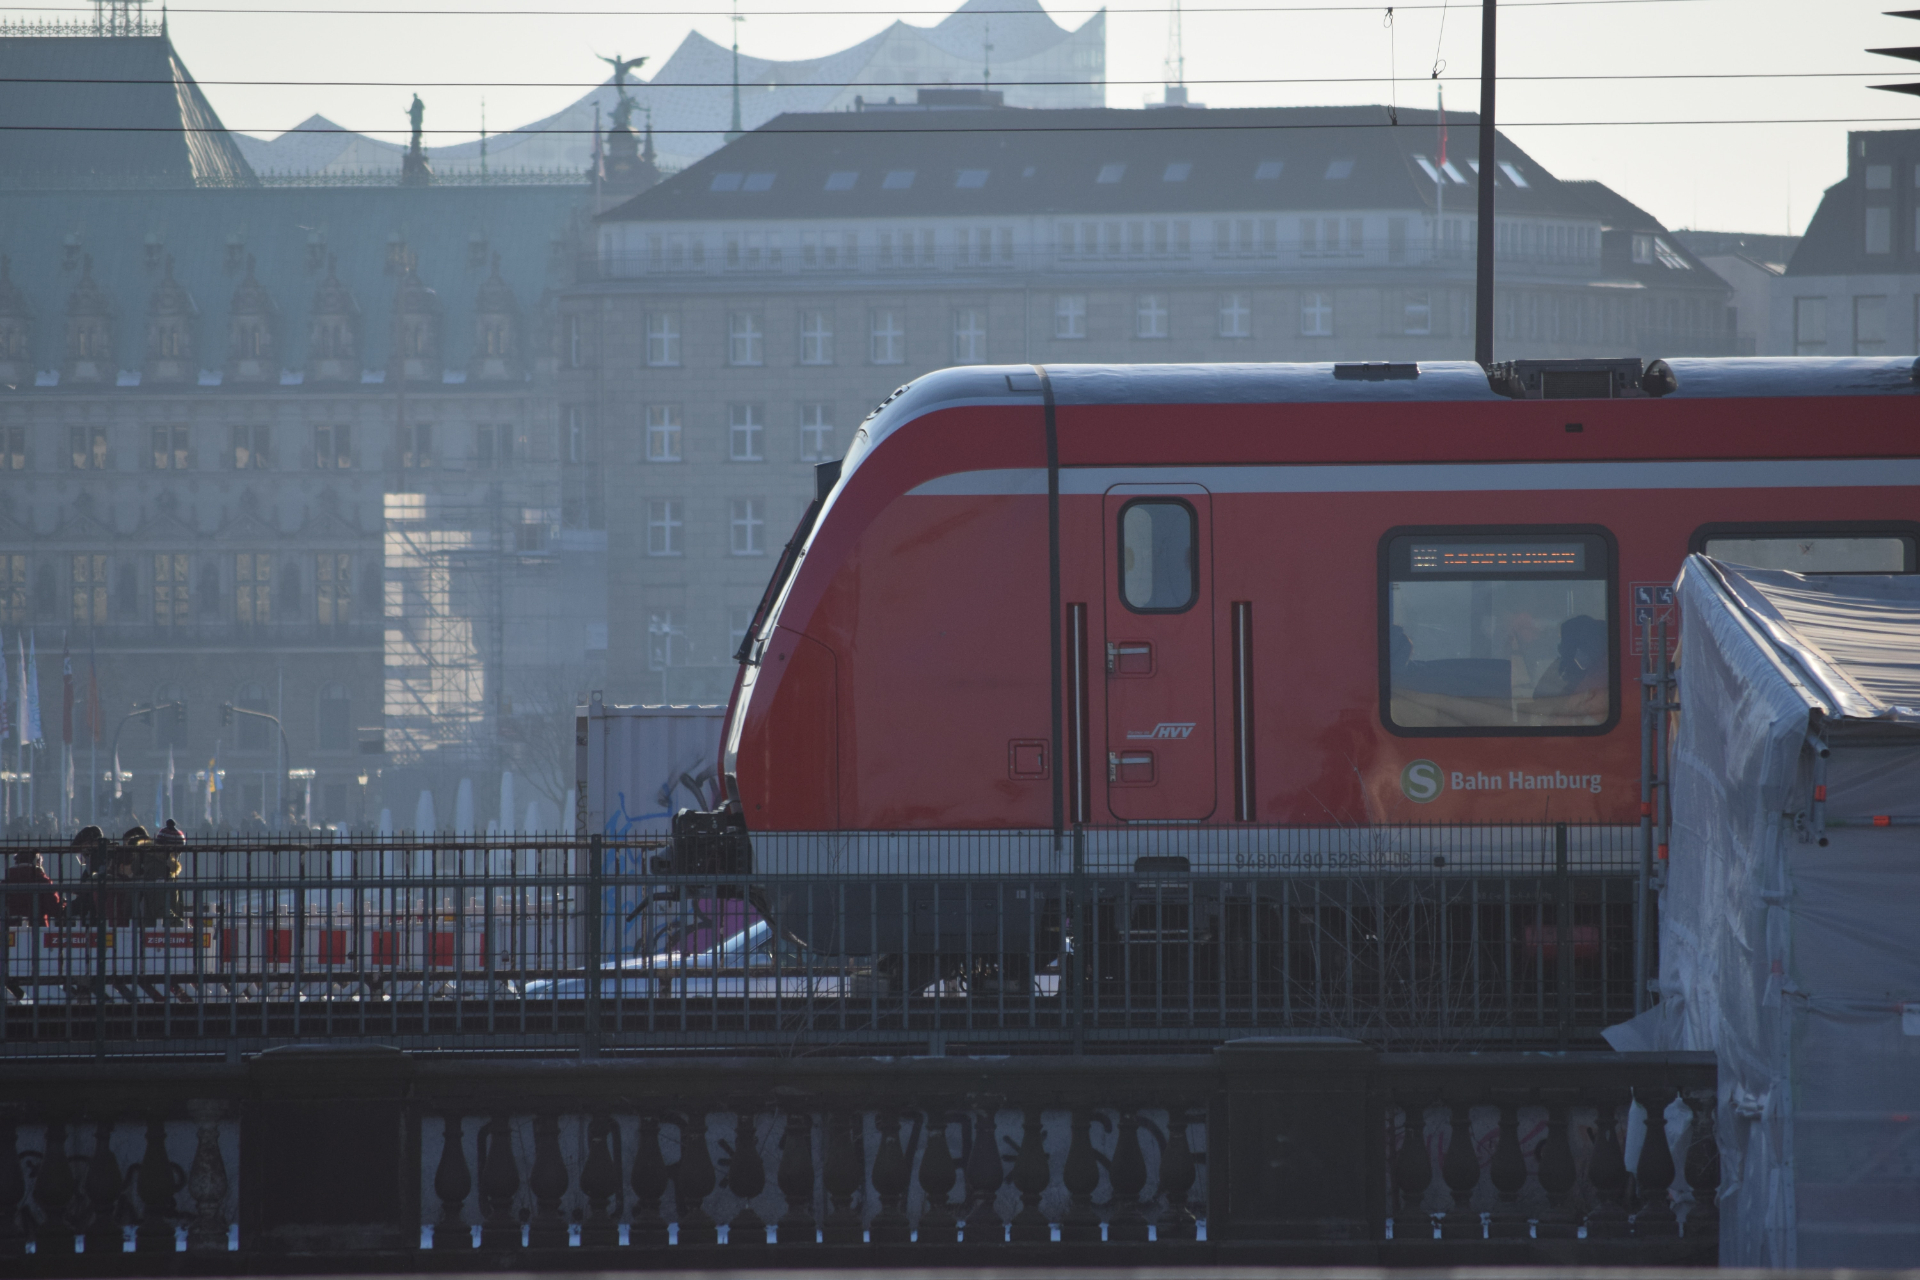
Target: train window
(1491,631)
(1157,559)
(1832,548)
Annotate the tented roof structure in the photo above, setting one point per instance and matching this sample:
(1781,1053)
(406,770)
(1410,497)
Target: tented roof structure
(1786,935)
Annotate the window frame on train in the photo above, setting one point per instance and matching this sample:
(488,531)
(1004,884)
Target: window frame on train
(1600,541)
(1193,553)
(1907,531)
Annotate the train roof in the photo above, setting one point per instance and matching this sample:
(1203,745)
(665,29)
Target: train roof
(1426,382)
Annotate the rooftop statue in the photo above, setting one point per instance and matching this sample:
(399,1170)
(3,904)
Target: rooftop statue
(623,110)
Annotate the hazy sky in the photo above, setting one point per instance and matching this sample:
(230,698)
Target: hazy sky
(1752,177)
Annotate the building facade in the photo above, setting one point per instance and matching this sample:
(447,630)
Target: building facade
(1852,286)
(292,449)
(748,312)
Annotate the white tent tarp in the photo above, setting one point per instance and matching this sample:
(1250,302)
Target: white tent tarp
(1788,935)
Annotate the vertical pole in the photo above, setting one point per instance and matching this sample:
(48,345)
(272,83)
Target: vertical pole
(1563,933)
(1649,697)
(1483,274)
(590,1029)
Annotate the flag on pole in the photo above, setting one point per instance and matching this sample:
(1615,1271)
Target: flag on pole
(6,708)
(20,733)
(66,691)
(118,777)
(96,716)
(30,722)
(213,769)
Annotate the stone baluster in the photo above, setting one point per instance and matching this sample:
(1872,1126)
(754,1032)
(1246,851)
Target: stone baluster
(1031,1177)
(548,1181)
(1553,1157)
(1412,1174)
(1703,1169)
(207,1182)
(649,1179)
(158,1181)
(797,1225)
(1653,1172)
(499,1184)
(892,1178)
(985,1173)
(600,1183)
(54,1192)
(1607,1172)
(453,1183)
(843,1177)
(1508,1173)
(1127,1178)
(13,1189)
(1179,1170)
(694,1179)
(1080,1175)
(102,1207)
(938,1175)
(746,1178)
(1460,1168)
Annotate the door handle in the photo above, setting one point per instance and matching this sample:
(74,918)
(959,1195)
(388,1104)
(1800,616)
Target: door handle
(1117,651)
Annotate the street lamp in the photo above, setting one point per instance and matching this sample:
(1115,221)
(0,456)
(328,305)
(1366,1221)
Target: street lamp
(228,711)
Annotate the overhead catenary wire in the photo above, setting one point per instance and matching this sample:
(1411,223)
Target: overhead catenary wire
(1125,128)
(921,84)
(176,10)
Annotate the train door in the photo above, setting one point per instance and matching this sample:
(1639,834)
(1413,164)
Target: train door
(1159,653)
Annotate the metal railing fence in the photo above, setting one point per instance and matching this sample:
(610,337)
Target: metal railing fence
(1415,937)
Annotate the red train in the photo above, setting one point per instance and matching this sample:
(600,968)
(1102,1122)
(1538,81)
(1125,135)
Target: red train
(1282,594)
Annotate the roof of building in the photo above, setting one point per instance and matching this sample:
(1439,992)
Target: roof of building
(877,164)
(689,97)
(1835,243)
(71,104)
(289,234)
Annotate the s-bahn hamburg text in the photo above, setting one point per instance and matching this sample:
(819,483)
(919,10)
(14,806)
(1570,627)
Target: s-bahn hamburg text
(1277,595)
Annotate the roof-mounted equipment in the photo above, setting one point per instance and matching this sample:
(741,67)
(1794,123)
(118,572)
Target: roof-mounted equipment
(1620,379)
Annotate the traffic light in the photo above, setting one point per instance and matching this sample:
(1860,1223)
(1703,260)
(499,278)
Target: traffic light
(226,713)
(1910,53)
(179,713)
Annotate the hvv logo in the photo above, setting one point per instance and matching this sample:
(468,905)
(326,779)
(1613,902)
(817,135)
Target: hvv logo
(1165,729)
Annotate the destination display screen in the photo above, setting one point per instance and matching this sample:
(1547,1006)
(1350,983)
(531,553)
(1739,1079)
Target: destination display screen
(1497,557)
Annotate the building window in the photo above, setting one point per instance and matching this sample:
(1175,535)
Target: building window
(816,337)
(576,343)
(89,446)
(1869,325)
(663,340)
(13,448)
(746,431)
(492,446)
(252,448)
(1879,177)
(333,588)
(745,340)
(170,451)
(969,336)
(573,446)
(13,588)
(1417,312)
(1879,229)
(816,432)
(1396,241)
(663,433)
(1316,315)
(1150,316)
(335,720)
(333,448)
(1236,315)
(1070,315)
(1809,326)
(663,527)
(666,640)
(748,527)
(889,338)
(252,588)
(170,594)
(416,445)
(90,589)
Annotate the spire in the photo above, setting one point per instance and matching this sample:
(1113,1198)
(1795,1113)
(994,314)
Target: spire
(735,131)
(647,153)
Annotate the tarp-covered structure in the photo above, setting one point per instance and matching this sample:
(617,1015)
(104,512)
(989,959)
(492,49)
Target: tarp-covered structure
(1789,938)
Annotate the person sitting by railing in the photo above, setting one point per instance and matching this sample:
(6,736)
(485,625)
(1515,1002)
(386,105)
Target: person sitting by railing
(35,908)
(157,861)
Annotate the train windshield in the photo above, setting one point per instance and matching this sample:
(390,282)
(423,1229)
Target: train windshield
(1816,554)
(1499,632)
